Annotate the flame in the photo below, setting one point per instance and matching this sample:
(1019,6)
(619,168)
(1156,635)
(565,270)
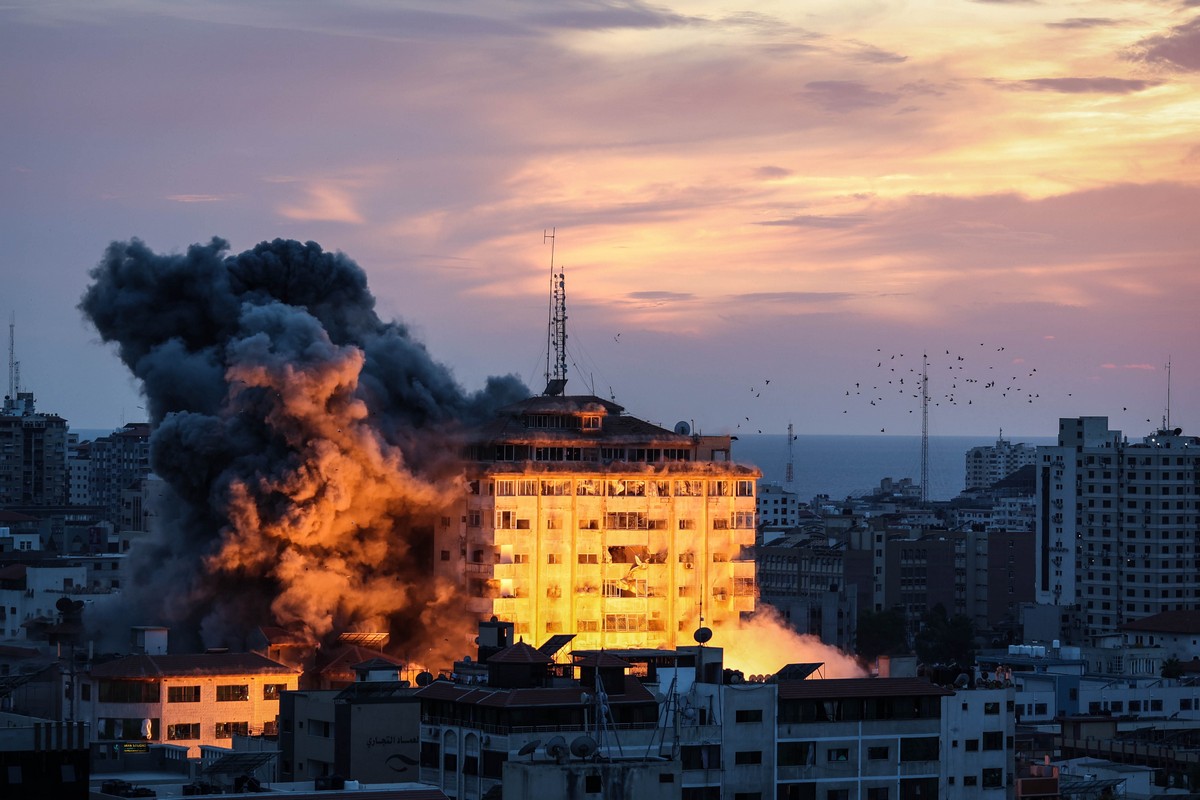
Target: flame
(764,643)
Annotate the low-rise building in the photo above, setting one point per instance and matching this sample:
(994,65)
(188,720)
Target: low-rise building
(187,700)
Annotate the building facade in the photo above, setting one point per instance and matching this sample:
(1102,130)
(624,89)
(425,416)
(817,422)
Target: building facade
(33,455)
(186,700)
(1118,528)
(582,519)
(991,464)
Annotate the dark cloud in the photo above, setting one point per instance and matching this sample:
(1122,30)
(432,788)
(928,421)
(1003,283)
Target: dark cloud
(610,15)
(794,297)
(303,440)
(1100,85)
(871,54)
(1076,23)
(660,295)
(843,96)
(769,172)
(1178,48)
(814,221)
(925,87)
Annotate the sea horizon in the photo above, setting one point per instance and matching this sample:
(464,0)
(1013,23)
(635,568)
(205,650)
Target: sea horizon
(852,465)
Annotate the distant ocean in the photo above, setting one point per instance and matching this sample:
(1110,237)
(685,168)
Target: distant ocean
(841,466)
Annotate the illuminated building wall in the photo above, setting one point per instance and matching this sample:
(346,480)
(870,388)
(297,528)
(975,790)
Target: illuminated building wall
(579,519)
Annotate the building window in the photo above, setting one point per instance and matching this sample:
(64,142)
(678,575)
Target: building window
(743,519)
(993,778)
(271,691)
(233,693)
(877,793)
(183,694)
(749,715)
(993,740)
(183,731)
(747,757)
(837,754)
(925,748)
(225,730)
(506,488)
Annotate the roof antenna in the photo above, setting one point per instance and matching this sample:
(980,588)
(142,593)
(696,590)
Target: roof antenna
(556,329)
(1167,418)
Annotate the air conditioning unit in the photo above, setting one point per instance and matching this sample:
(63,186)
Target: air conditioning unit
(688,565)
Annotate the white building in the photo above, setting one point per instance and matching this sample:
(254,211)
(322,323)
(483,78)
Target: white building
(29,594)
(778,508)
(1118,525)
(990,464)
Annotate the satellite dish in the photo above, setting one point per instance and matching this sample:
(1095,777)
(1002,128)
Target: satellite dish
(702,635)
(583,746)
(556,748)
(659,698)
(683,428)
(528,748)
(424,678)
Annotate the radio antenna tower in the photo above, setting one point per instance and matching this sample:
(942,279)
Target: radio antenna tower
(789,475)
(556,330)
(13,380)
(1167,415)
(924,427)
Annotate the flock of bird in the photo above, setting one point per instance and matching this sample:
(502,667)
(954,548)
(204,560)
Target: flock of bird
(948,377)
(982,377)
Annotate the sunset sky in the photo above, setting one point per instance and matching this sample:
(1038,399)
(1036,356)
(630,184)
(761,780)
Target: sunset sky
(792,192)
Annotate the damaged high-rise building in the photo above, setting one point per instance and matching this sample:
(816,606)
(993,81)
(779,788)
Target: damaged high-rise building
(581,519)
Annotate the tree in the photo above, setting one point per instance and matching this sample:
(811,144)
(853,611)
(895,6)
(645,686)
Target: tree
(944,639)
(880,633)
(1172,668)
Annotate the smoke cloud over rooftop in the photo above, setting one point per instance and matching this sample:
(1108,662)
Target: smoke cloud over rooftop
(303,439)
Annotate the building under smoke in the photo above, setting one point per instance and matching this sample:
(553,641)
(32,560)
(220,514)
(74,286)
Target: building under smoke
(580,519)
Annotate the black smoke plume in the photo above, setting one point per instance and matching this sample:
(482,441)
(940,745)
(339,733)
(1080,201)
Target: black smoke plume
(303,441)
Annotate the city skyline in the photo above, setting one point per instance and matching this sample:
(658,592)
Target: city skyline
(804,197)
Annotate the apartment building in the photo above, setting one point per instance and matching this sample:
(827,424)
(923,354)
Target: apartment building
(1118,527)
(582,519)
(187,700)
(990,464)
(793,737)
(33,455)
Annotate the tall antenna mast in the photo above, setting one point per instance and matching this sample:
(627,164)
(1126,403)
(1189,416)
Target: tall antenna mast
(556,329)
(924,427)
(1167,418)
(12,357)
(789,476)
